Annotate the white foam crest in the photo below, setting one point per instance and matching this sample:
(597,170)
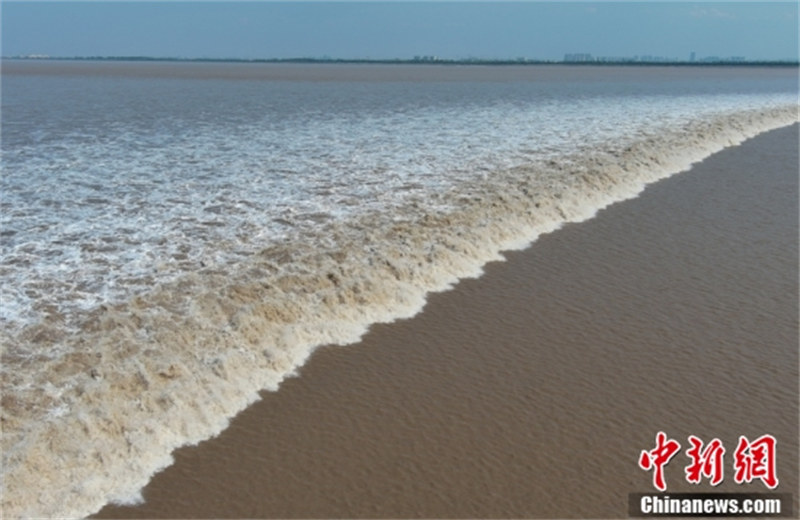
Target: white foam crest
(92,420)
(92,219)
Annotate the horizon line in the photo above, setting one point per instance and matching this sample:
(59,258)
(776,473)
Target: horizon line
(422,60)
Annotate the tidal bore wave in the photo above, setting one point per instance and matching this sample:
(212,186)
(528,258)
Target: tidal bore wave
(108,403)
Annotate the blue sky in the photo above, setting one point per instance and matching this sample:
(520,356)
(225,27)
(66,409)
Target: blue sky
(377,30)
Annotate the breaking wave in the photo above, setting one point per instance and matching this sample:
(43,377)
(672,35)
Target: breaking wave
(90,415)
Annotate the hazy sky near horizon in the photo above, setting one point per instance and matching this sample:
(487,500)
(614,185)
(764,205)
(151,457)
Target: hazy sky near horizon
(381,30)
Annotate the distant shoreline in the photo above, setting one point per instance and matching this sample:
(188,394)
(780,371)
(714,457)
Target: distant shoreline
(398,61)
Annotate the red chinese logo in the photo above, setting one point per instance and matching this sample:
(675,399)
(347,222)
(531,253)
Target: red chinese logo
(705,463)
(752,460)
(658,457)
(756,460)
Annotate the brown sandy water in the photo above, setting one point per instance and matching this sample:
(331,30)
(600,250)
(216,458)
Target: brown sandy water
(531,391)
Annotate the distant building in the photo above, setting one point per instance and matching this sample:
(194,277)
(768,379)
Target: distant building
(578,58)
(719,59)
(648,58)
